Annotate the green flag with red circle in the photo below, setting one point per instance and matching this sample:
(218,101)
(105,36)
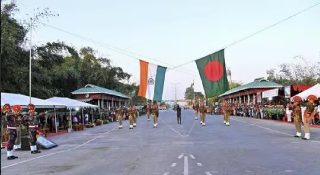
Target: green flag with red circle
(212,70)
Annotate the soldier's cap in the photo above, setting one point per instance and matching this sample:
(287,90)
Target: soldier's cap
(16,108)
(31,107)
(312,97)
(297,99)
(6,108)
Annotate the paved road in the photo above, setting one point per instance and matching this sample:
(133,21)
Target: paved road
(248,146)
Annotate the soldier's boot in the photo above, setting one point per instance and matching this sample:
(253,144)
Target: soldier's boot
(154,125)
(298,134)
(17,146)
(120,126)
(134,124)
(203,124)
(196,118)
(131,127)
(10,155)
(224,122)
(306,136)
(34,149)
(227,124)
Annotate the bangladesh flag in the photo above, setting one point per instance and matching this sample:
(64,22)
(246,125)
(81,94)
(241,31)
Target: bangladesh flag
(212,70)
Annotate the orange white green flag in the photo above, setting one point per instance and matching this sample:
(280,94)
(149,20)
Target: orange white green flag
(151,80)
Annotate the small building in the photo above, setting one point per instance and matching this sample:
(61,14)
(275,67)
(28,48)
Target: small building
(103,97)
(250,93)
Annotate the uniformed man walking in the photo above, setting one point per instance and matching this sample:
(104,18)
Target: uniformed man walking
(155,114)
(31,122)
(120,115)
(196,110)
(179,114)
(148,110)
(308,114)
(11,127)
(131,116)
(296,114)
(228,111)
(202,110)
(134,110)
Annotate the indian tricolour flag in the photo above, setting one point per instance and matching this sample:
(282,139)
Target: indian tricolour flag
(151,80)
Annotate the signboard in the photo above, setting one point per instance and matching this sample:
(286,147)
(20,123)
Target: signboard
(270,93)
(287,91)
(45,143)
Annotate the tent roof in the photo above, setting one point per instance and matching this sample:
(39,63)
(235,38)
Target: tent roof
(256,84)
(314,90)
(89,89)
(23,100)
(71,103)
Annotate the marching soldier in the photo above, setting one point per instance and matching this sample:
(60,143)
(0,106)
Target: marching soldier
(296,113)
(31,122)
(228,112)
(224,112)
(134,110)
(202,110)
(148,110)
(131,116)
(120,114)
(155,114)
(11,127)
(308,113)
(196,110)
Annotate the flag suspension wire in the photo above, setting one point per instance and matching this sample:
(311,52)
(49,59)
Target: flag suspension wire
(257,32)
(130,54)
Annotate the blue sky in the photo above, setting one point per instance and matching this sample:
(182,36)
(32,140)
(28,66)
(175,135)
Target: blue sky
(177,31)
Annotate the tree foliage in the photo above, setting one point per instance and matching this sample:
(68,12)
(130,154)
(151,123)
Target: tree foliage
(57,68)
(299,72)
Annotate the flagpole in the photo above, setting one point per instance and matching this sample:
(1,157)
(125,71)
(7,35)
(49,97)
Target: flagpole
(30,60)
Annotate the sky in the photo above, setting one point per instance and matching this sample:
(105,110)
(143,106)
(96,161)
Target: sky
(173,32)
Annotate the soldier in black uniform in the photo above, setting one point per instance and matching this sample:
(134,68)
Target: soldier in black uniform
(11,127)
(31,122)
(179,114)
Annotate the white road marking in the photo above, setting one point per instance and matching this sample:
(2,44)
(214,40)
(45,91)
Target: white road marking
(181,155)
(192,157)
(194,123)
(58,152)
(199,164)
(208,173)
(173,164)
(288,171)
(172,129)
(186,166)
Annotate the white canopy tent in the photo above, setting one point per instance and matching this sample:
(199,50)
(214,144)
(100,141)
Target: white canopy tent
(23,100)
(314,90)
(72,104)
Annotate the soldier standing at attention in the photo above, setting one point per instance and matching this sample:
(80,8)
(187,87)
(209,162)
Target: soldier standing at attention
(296,114)
(120,114)
(179,114)
(308,114)
(202,110)
(224,104)
(30,121)
(155,113)
(11,127)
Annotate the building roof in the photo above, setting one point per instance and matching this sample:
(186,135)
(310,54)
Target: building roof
(256,84)
(93,89)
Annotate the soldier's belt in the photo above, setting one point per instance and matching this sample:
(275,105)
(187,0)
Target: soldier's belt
(33,126)
(10,127)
